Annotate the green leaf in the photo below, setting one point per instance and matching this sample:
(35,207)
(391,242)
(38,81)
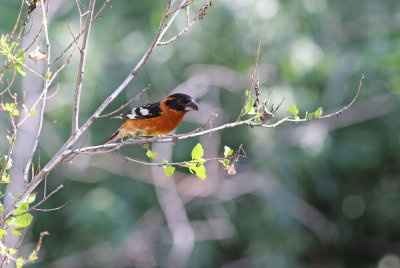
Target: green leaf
(169,170)
(12,251)
(225,162)
(151,154)
(1,208)
(198,169)
(197,151)
(294,111)
(16,232)
(4,45)
(319,112)
(249,109)
(23,220)
(21,208)
(10,108)
(48,75)
(5,178)
(31,198)
(19,70)
(20,55)
(20,262)
(3,160)
(2,233)
(227,151)
(201,172)
(310,115)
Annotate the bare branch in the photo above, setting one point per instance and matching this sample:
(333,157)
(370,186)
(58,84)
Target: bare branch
(126,104)
(44,93)
(81,70)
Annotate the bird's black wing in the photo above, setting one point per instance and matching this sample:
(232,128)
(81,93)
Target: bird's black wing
(146,111)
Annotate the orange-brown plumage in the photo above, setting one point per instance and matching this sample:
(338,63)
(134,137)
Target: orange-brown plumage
(154,119)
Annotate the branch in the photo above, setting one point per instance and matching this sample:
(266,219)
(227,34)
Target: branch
(81,70)
(64,151)
(248,122)
(46,86)
(126,104)
(199,15)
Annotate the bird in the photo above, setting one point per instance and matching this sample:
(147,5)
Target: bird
(154,119)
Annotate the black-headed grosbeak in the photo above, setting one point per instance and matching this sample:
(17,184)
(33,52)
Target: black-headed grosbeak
(157,118)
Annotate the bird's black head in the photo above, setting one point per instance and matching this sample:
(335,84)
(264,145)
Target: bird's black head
(181,102)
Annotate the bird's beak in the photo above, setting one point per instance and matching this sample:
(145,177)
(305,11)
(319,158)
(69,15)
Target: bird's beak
(192,106)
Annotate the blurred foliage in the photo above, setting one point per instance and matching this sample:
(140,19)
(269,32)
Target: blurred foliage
(328,192)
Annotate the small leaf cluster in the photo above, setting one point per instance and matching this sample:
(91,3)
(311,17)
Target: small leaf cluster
(294,113)
(315,114)
(13,110)
(5,162)
(227,153)
(196,166)
(7,50)
(20,220)
(249,108)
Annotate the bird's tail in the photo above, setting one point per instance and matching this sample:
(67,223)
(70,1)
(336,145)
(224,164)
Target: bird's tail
(116,136)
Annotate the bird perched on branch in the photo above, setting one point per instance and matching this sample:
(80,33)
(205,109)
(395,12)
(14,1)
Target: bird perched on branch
(157,118)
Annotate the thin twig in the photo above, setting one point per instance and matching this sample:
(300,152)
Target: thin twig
(98,15)
(252,81)
(53,209)
(126,104)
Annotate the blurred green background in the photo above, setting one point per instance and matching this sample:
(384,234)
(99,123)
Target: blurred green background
(320,194)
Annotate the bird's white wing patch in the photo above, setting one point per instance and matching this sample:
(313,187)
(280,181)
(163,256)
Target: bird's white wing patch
(131,115)
(144,111)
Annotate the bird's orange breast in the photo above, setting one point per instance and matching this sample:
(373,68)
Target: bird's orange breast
(160,125)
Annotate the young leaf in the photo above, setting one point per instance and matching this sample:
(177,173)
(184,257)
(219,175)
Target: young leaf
(294,111)
(3,160)
(169,170)
(16,232)
(319,112)
(2,233)
(227,151)
(20,262)
(10,108)
(5,178)
(151,154)
(12,251)
(249,109)
(23,220)
(310,115)
(201,172)
(197,151)
(31,198)
(21,208)
(48,75)
(192,167)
